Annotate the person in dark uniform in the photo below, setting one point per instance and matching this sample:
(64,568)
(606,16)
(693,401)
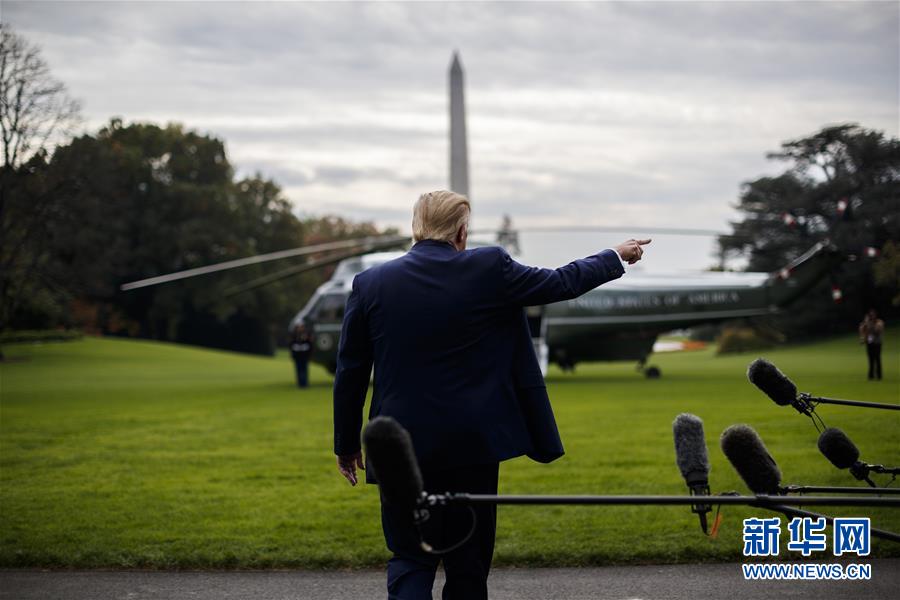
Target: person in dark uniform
(301,348)
(871,331)
(446,331)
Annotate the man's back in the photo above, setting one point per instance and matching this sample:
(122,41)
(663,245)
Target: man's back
(454,364)
(444,329)
(443,343)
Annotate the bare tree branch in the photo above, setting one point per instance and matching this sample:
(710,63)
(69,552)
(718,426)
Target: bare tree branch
(35,108)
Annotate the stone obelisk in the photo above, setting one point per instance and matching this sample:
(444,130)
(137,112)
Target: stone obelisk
(459,153)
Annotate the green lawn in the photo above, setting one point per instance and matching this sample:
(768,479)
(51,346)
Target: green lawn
(117,453)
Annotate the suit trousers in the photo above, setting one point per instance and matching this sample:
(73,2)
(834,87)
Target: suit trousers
(411,571)
(873,351)
(301,368)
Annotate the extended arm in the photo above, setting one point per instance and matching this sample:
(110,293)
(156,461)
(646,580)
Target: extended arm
(530,286)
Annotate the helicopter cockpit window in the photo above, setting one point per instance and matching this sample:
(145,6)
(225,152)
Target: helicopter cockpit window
(331,308)
(348,268)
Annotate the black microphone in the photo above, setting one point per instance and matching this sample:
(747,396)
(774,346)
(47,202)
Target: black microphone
(774,384)
(692,460)
(782,390)
(748,455)
(393,462)
(844,454)
(838,448)
(392,459)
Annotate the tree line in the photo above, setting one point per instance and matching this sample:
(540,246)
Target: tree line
(136,200)
(841,184)
(132,201)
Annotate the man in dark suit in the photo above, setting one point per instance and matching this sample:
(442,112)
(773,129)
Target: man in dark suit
(446,332)
(301,348)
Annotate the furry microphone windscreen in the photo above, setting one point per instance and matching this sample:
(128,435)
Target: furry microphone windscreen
(690,448)
(748,455)
(393,461)
(838,448)
(772,382)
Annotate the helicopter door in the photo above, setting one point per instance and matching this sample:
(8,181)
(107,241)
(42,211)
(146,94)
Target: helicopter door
(537,325)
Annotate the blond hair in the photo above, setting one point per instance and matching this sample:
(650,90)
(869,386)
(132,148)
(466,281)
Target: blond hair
(439,215)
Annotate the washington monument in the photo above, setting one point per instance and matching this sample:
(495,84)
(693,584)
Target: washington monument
(459,154)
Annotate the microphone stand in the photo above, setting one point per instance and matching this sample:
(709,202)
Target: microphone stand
(790,511)
(758,500)
(861,471)
(782,504)
(883,469)
(806,403)
(819,489)
(701,489)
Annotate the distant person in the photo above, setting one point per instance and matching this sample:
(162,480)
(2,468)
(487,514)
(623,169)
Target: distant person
(871,331)
(445,328)
(301,348)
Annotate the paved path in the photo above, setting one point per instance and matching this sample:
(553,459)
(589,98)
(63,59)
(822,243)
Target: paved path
(673,582)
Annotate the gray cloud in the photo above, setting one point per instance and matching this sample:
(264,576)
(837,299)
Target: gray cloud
(368,133)
(643,112)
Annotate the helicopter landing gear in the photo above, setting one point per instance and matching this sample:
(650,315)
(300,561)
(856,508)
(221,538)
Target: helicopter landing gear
(651,372)
(561,358)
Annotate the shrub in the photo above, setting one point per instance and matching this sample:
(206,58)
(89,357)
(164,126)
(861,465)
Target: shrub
(746,339)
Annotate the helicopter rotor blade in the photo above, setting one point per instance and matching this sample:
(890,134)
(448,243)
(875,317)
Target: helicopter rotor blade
(298,269)
(609,228)
(372,242)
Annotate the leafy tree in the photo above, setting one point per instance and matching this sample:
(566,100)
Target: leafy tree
(140,200)
(887,270)
(35,110)
(131,202)
(841,185)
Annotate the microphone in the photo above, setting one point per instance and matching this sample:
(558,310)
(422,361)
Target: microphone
(393,461)
(692,460)
(774,384)
(782,391)
(844,454)
(749,457)
(838,448)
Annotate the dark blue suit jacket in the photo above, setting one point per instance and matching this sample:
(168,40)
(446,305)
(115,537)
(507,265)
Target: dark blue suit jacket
(453,359)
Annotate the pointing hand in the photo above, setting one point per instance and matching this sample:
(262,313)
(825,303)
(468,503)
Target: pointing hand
(631,251)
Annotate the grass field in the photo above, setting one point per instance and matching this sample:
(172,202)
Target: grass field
(117,453)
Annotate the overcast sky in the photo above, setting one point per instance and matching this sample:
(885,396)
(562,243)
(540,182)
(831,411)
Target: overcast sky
(638,114)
